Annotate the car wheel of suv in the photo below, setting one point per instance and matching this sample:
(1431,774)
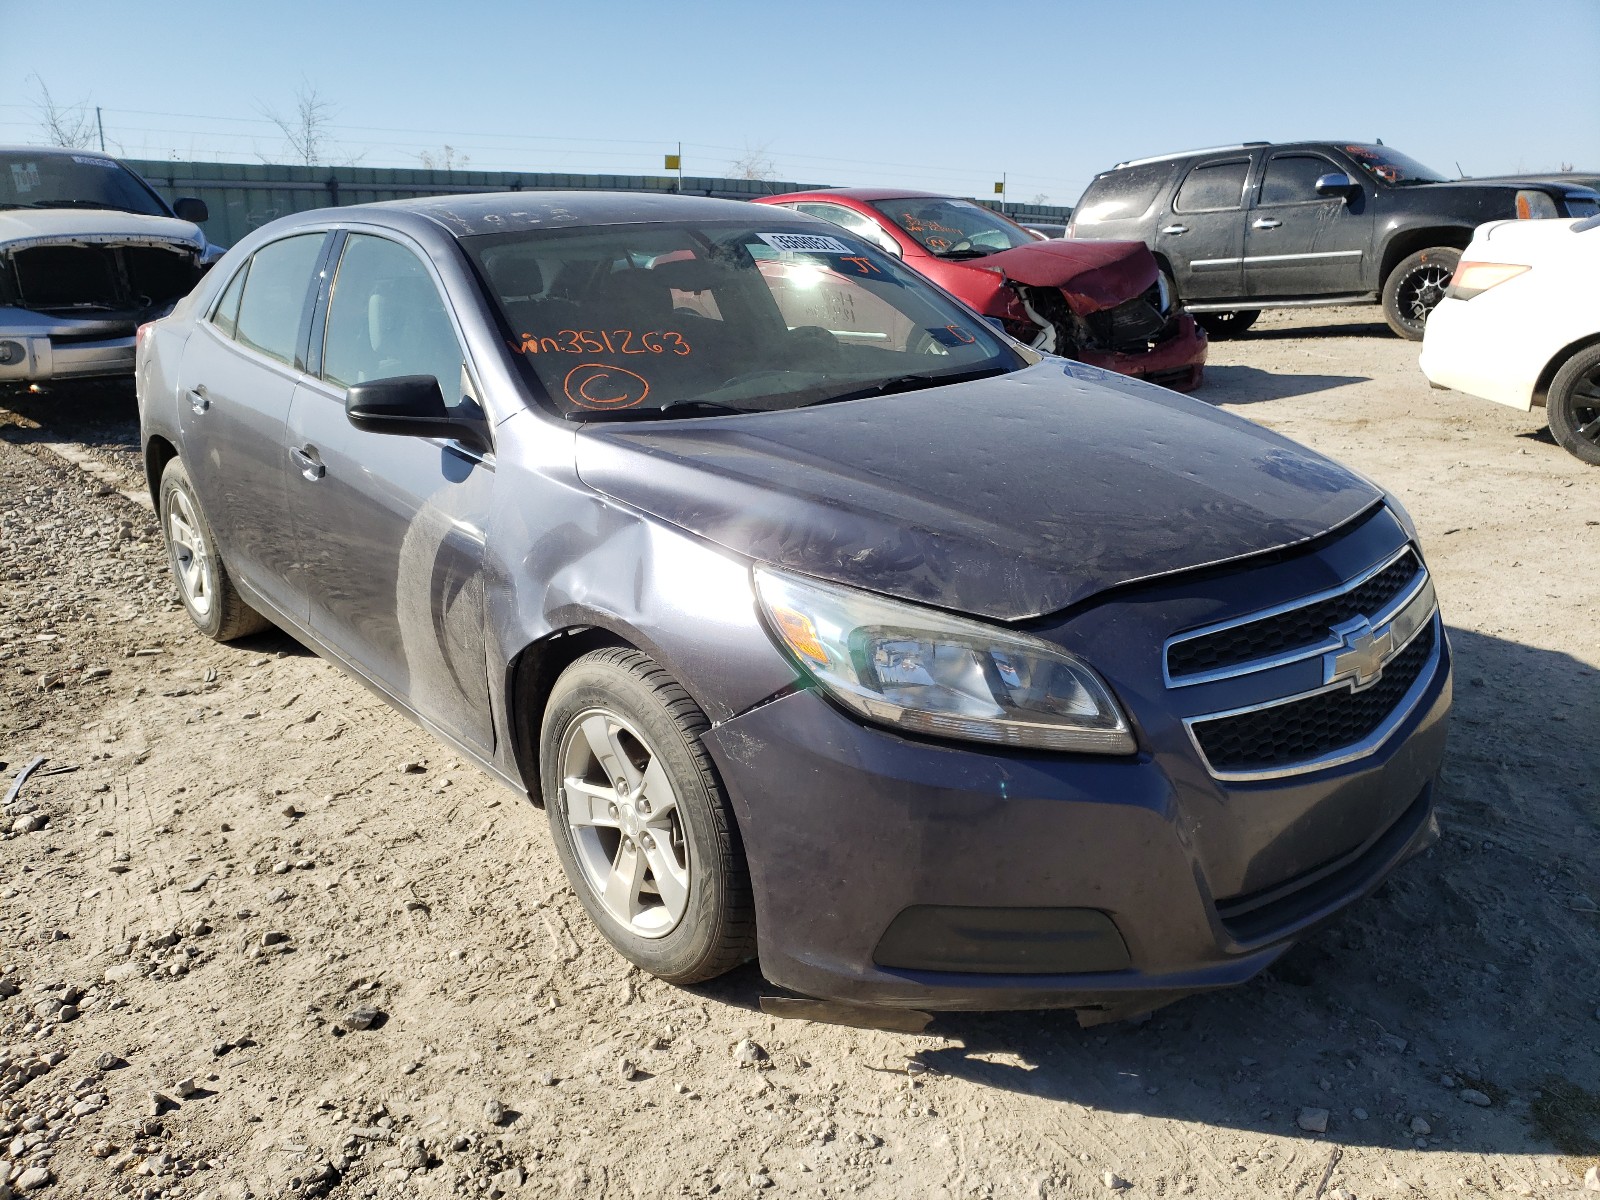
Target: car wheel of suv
(1223,325)
(1573,405)
(640,821)
(204,586)
(1415,287)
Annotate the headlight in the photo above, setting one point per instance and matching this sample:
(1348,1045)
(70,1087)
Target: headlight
(927,672)
(1532,206)
(1475,278)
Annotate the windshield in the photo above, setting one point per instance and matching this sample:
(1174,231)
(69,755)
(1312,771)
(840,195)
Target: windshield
(629,322)
(953,228)
(73,181)
(1391,166)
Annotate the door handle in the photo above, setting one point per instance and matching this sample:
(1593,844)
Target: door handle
(1265,223)
(198,400)
(309,462)
(1174,230)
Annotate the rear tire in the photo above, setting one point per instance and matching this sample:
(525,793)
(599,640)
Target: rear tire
(1415,287)
(1573,406)
(204,585)
(641,823)
(1223,325)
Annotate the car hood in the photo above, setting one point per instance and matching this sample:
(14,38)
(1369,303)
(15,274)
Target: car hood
(1093,275)
(1009,497)
(37,226)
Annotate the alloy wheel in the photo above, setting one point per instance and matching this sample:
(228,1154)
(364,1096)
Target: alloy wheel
(1586,407)
(626,827)
(1421,290)
(190,554)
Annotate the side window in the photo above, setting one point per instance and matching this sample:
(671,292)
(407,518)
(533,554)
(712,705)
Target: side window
(1213,186)
(386,319)
(226,315)
(274,297)
(857,224)
(1292,179)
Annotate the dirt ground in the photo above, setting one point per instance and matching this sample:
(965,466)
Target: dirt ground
(231,850)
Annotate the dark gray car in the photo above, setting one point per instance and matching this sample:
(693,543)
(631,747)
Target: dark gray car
(827,623)
(1297,224)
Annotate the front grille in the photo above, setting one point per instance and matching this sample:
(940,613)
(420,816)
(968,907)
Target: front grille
(1131,325)
(1300,731)
(1305,627)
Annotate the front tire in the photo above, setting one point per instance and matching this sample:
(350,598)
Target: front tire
(1415,287)
(204,585)
(641,823)
(1573,406)
(1220,326)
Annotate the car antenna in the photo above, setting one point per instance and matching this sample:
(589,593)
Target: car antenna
(1380,141)
(1460,174)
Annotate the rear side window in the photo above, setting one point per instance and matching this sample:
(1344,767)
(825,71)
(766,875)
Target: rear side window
(1122,195)
(226,315)
(275,295)
(848,218)
(1292,179)
(1211,187)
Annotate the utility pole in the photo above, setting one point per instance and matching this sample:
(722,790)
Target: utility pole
(100,125)
(1000,190)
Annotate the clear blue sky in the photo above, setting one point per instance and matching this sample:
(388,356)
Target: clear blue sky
(937,95)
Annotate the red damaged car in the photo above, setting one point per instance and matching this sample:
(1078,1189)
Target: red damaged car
(1103,303)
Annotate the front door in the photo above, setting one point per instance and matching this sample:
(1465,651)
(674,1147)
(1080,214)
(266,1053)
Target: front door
(1300,244)
(1202,234)
(391,528)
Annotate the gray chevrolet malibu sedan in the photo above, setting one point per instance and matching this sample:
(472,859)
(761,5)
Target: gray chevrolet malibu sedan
(828,625)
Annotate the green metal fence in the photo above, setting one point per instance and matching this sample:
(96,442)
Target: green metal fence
(245,196)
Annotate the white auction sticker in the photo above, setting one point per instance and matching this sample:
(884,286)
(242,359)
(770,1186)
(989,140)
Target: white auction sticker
(94,162)
(814,243)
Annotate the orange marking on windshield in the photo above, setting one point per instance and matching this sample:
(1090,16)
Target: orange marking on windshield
(961,335)
(605,341)
(586,386)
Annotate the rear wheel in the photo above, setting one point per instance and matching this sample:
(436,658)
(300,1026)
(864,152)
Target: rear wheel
(204,585)
(1415,287)
(1222,325)
(640,821)
(1573,405)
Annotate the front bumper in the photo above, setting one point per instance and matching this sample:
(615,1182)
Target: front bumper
(39,347)
(1176,362)
(1476,346)
(861,840)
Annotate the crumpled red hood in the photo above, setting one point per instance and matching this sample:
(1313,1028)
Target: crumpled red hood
(1094,275)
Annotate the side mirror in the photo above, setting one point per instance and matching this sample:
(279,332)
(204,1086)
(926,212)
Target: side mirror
(411,406)
(1337,183)
(190,209)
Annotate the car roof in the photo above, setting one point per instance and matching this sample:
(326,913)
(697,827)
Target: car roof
(58,152)
(864,193)
(466,215)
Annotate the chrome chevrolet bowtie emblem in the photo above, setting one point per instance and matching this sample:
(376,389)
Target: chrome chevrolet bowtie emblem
(1360,655)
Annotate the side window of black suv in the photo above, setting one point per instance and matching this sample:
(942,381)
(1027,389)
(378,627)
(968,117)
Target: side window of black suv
(1292,179)
(1213,187)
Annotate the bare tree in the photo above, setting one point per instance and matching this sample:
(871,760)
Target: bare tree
(1041,198)
(72,125)
(444,159)
(754,163)
(309,130)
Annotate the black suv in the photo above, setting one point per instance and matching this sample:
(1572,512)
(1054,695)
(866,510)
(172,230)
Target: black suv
(1242,228)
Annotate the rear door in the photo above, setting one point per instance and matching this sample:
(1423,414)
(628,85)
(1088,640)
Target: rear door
(1202,233)
(391,528)
(236,380)
(1300,244)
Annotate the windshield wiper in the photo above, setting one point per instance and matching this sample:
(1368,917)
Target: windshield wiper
(677,408)
(909,383)
(74,204)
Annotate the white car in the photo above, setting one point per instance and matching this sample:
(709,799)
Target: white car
(1520,325)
